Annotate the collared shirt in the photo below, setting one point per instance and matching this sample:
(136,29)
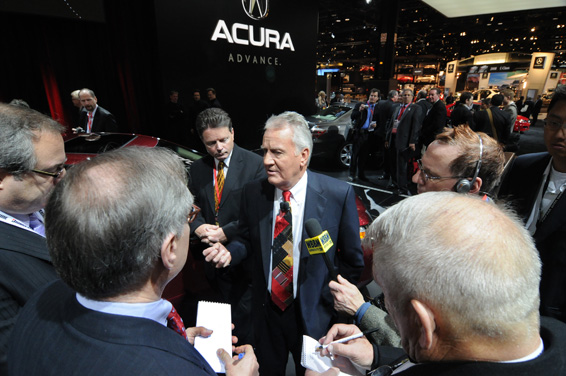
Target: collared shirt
(225,169)
(87,116)
(21,220)
(369,119)
(298,197)
(156,311)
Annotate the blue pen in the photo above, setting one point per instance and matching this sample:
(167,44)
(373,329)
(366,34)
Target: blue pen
(241,355)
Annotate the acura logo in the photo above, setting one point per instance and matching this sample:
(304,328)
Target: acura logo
(256,9)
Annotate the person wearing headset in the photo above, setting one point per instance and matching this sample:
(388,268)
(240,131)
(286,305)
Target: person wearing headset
(458,160)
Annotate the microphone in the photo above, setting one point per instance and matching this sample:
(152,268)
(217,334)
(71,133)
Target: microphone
(284,206)
(319,242)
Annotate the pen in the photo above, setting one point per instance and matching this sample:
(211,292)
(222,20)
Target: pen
(241,355)
(346,339)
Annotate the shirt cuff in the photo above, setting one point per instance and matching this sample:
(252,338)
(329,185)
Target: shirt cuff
(361,312)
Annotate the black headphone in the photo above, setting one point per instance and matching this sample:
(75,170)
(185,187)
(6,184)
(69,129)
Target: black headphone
(464,185)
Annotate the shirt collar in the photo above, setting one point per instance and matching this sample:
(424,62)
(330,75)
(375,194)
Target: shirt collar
(298,191)
(226,161)
(156,311)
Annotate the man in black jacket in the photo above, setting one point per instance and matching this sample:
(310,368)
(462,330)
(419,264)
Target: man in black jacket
(435,120)
(364,120)
(462,113)
(494,121)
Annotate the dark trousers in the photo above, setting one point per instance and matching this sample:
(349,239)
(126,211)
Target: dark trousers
(278,333)
(391,160)
(403,157)
(360,152)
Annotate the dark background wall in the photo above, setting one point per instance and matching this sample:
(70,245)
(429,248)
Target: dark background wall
(141,49)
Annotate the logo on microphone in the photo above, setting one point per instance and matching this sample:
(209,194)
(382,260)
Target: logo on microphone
(319,244)
(256,9)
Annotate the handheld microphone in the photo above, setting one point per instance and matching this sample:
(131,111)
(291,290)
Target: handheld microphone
(319,242)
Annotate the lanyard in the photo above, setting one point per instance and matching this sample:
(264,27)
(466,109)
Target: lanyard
(6,218)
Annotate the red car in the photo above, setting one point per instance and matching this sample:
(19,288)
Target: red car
(522,124)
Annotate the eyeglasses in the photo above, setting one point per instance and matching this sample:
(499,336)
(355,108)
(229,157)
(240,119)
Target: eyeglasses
(54,175)
(428,177)
(553,125)
(193,214)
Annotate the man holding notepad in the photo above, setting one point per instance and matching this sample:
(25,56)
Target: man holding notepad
(118,232)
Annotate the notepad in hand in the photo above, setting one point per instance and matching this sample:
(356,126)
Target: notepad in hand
(218,318)
(311,359)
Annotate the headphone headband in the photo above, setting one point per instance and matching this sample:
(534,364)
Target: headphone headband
(465,185)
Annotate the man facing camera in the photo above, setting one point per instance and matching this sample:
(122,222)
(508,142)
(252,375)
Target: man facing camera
(118,232)
(290,295)
(460,278)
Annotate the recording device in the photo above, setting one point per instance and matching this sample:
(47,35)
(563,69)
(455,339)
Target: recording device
(319,242)
(465,185)
(284,206)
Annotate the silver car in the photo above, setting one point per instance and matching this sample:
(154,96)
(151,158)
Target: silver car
(331,134)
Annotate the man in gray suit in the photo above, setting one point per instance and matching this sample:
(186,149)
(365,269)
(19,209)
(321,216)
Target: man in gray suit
(32,161)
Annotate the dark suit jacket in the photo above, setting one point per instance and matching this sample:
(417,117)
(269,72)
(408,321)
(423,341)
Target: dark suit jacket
(245,166)
(332,203)
(103,121)
(521,186)
(434,122)
(462,115)
(551,362)
(25,267)
(501,122)
(409,128)
(384,113)
(360,117)
(66,338)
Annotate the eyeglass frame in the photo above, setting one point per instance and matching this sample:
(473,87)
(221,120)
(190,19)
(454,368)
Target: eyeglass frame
(193,214)
(427,177)
(54,175)
(553,128)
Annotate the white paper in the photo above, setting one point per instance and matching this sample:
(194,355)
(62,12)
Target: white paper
(311,359)
(218,318)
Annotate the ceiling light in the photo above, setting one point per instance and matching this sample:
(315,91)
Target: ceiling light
(451,8)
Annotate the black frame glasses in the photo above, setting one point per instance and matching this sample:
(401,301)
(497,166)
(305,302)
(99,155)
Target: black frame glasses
(553,125)
(427,177)
(193,214)
(54,175)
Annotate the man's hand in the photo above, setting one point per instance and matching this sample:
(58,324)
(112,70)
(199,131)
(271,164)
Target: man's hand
(218,255)
(412,146)
(386,145)
(330,372)
(210,234)
(347,298)
(197,331)
(246,366)
(359,351)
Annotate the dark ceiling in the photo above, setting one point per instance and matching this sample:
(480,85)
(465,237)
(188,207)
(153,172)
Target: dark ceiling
(350,30)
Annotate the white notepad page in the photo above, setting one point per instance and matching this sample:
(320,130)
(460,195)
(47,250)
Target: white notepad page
(218,318)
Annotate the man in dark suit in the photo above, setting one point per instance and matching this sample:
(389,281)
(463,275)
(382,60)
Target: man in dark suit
(492,119)
(364,120)
(32,160)
(95,118)
(291,194)
(384,113)
(220,203)
(118,232)
(535,185)
(435,120)
(402,136)
(434,269)
(462,111)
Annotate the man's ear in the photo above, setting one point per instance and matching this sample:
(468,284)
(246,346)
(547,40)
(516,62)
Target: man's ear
(476,186)
(427,323)
(169,251)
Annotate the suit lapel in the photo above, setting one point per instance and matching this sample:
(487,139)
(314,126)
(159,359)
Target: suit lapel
(315,203)
(234,172)
(265,207)
(553,221)
(209,187)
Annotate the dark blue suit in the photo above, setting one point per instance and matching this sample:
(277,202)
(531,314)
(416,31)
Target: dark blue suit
(55,335)
(332,203)
(25,267)
(521,186)
(103,121)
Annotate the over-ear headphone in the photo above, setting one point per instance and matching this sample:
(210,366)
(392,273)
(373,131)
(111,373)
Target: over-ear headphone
(465,185)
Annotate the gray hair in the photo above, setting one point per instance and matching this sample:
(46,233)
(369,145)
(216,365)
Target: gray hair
(212,118)
(392,94)
(20,127)
(302,137)
(107,220)
(468,258)
(75,94)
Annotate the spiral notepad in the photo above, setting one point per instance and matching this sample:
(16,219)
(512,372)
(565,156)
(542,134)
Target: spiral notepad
(218,318)
(311,359)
